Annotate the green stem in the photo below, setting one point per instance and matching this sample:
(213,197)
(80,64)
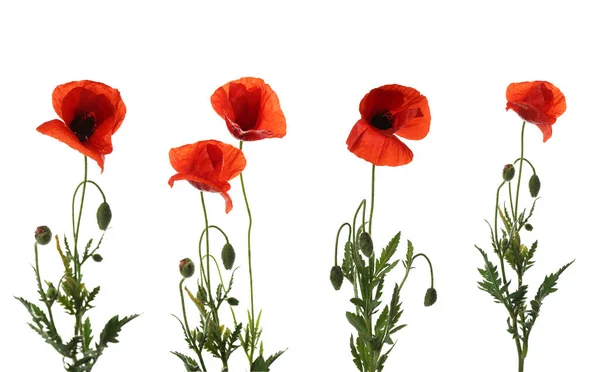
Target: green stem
(252,318)
(187,327)
(76,264)
(42,293)
(528,162)
(372,198)
(337,238)
(76,229)
(520,172)
(207,248)
(429,262)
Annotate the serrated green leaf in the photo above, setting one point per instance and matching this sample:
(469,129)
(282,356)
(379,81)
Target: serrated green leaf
(387,254)
(355,354)
(357,322)
(87,333)
(358,302)
(111,330)
(491,280)
(190,364)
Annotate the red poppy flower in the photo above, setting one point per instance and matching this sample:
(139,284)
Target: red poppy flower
(91,113)
(250,109)
(537,102)
(386,112)
(208,166)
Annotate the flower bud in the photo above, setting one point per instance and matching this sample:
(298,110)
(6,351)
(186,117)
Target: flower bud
(97,258)
(43,235)
(534,185)
(232,301)
(528,227)
(186,267)
(365,243)
(430,297)
(51,292)
(103,216)
(508,173)
(228,256)
(336,276)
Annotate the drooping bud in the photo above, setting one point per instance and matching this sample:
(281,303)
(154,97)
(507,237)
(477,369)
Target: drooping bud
(528,227)
(534,185)
(228,256)
(97,258)
(336,276)
(232,301)
(103,216)
(365,243)
(430,297)
(186,267)
(508,173)
(43,235)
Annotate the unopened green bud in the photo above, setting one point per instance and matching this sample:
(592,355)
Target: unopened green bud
(228,256)
(103,216)
(43,235)
(232,301)
(365,243)
(508,173)
(97,258)
(430,296)
(528,227)
(336,276)
(51,292)
(186,267)
(534,185)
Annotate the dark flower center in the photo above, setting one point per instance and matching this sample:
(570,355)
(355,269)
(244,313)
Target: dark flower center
(83,125)
(382,120)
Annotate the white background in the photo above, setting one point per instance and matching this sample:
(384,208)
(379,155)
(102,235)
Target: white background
(321,58)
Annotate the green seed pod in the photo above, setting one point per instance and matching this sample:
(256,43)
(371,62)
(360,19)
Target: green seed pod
(43,235)
(103,216)
(228,256)
(336,276)
(534,185)
(528,227)
(186,267)
(97,258)
(508,173)
(430,297)
(232,301)
(365,243)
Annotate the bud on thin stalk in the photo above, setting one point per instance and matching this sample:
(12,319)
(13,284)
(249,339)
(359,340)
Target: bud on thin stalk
(43,235)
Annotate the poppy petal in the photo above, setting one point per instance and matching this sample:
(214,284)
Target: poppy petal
(546,130)
(372,145)
(228,202)
(58,130)
(113,95)
(250,109)
(415,119)
(200,183)
(537,102)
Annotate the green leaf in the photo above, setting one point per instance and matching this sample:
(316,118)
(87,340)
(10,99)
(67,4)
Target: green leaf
(87,333)
(348,263)
(381,321)
(260,365)
(190,364)
(90,297)
(387,254)
(547,287)
(111,330)
(357,322)
(529,257)
(517,298)
(355,354)
(491,280)
(358,302)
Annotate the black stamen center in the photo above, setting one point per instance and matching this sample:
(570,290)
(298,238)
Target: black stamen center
(83,125)
(382,120)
